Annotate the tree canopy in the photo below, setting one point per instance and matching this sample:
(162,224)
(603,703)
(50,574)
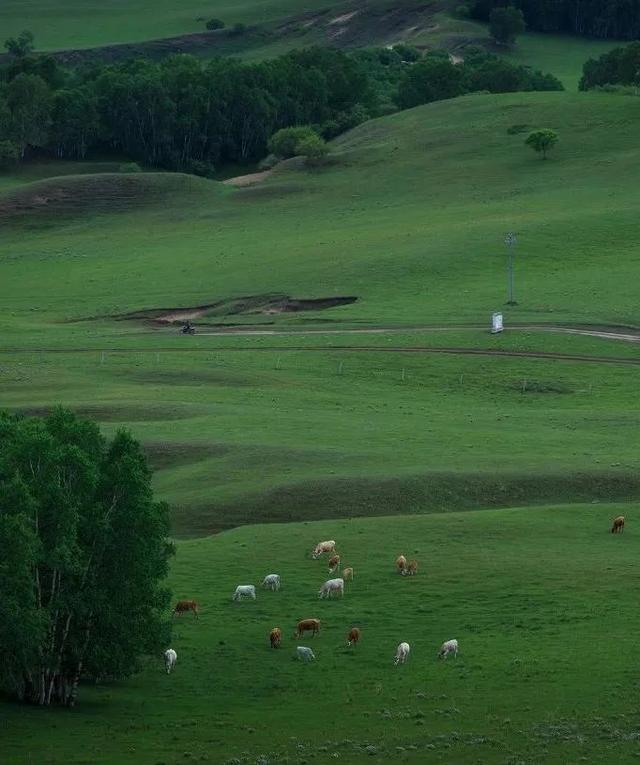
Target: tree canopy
(505,24)
(84,555)
(542,141)
(620,66)
(613,19)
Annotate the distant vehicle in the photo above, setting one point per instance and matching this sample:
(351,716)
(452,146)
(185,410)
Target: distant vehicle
(188,329)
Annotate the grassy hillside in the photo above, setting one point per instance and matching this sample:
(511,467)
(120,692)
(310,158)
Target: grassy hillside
(410,220)
(534,597)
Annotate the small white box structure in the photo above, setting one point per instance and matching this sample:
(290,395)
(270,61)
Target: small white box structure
(496,323)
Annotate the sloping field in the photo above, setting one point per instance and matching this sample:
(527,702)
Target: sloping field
(409,219)
(534,597)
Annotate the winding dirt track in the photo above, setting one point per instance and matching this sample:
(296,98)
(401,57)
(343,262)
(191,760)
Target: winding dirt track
(619,334)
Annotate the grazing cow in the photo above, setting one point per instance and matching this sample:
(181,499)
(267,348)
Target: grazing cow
(324,547)
(402,653)
(307,625)
(334,562)
(271,582)
(305,654)
(618,525)
(331,586)
(353,637)
(275,636)
(347,573)
(401,563)
(244,591)
(182,606)
(450,646)
(411,569)
(170,657)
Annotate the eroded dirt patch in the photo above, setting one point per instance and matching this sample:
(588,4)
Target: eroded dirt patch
(266,305)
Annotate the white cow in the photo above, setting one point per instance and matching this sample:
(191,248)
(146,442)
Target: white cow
(450,646)
(244,591)
(170,657)
(271,581)
(402,653)
(305,654)
(331,586)
(324,547)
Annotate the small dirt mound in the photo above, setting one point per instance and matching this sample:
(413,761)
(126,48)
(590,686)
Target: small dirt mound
(264,305)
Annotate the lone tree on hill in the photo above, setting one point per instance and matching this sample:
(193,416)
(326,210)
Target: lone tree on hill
(542,141)
(21,45)
(214,24)
(505,24)
(84,554)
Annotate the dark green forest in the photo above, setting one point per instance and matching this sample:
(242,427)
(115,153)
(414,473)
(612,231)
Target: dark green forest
(615,19)
(185,114)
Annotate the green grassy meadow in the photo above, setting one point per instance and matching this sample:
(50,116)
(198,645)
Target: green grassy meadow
(541,600)
(500,474)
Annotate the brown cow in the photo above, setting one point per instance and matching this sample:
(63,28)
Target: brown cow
(411,569)
(401,563)
(618,525)
(275,636)
(307,625)
(353,636)
(182,606)
(334,562)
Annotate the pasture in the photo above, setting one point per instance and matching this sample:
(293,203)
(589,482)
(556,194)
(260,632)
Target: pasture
(545,671)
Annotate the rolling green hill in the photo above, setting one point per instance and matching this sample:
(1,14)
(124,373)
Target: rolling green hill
(409,219)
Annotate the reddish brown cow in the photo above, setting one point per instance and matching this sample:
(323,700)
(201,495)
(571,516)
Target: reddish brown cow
(307,625)
(401,563)
(354,636)
(618,525)
(275,636)
(182,606)
(334,562)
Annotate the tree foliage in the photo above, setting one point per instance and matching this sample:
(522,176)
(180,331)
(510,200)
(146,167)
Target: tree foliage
(214,24)
(505,24)
(185,114)
(286,142)
(542,141)
(620,66)
(613,19)
(84,557)
(21,45)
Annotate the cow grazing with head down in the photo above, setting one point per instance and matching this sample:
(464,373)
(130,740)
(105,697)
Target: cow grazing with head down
(402,653)
(401,563)
(347,573)
(307,625)
(332,587)
(170,658)
(618,525)
(271,582)
(324,547)
(244,591)
(353,637)
(305,654)
(182,606)
(450,646)
(275,637)
(334,562)
(411,569)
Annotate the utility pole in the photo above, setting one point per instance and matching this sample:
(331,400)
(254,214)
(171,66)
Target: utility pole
(511,241)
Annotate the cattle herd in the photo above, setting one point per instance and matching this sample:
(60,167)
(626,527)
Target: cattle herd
(330,588)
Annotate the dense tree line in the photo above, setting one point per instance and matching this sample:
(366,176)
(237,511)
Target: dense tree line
(185,114)
(435,78)
(621,66)
(84,555)
(616,19)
